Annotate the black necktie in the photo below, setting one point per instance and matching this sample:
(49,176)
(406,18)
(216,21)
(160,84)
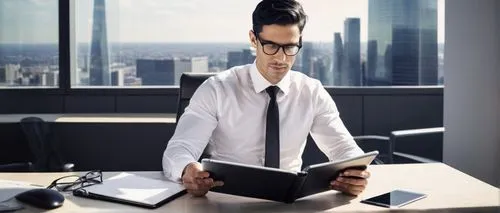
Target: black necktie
(272,130)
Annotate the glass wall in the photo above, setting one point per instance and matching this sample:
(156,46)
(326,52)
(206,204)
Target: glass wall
(132,43)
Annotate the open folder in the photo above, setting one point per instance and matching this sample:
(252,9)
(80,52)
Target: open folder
(277,184)
(134,190)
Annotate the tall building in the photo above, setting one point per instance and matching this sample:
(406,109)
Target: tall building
(194,64)
(51,79)
(12,73)
(118,77)
(337,59)
(237,58)
(307,58)
(352,52)
(99,51)
(320,70)
(3,75)
(156,72)
(402,42)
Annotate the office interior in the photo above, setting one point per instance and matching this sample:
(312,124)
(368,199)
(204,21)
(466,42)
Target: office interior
(128,129)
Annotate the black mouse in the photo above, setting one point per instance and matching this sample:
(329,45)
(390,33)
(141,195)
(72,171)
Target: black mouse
(42,198)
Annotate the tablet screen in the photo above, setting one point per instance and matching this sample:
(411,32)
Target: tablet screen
(396,198)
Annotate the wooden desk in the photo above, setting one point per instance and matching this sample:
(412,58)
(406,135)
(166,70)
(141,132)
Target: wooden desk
(448,190)
(95,118)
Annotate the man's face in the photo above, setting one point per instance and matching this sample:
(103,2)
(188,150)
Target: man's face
(274,67)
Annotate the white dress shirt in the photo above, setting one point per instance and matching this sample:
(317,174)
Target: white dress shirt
(228,113)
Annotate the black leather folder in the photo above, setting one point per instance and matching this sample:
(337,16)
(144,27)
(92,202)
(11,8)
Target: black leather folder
(277,184)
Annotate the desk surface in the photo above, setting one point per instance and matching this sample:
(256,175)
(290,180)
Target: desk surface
(448,190)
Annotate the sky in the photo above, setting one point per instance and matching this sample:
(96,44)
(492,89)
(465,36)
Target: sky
(35,21)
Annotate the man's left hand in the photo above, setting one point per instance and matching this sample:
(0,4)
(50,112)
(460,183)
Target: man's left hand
(351,181)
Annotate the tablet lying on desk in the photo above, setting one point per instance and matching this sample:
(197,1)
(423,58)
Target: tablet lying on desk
(394,199)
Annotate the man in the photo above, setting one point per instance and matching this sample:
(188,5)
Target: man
(261,113)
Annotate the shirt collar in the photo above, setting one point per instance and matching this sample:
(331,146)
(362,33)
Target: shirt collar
(260,83)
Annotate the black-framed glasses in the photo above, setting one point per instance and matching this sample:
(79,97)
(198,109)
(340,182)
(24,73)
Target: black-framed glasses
(271,48)
(74,182)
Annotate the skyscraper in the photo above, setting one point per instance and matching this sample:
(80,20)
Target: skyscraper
(307,58)
(236,58)
(99,53)
(352,52)
(402,42)
(338,57)
(156,72)
(193,64)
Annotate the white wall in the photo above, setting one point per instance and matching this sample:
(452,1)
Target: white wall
(472,88)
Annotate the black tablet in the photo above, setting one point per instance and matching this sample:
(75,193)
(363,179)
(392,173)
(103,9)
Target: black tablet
(320,175)
(394,199)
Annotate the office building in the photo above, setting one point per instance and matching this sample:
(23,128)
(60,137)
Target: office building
(402,38)
(337,59)
(307,53)
(193,64)
(99,51)
(118,77)
(352,53)
(156,72)
(237,58)
(320,70)
(51,78)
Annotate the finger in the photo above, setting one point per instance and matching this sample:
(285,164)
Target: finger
(348,188)
(191,186)
(356,173)
(353,181)
(218,183)
(197,193)
(201,174)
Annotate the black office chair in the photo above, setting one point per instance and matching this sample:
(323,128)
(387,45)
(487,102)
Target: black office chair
(17,167)
(189,82)
(418,145)
(405,146)
(382,144)
(44,147)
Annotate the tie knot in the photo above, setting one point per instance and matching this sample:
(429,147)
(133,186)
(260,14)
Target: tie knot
(272,90)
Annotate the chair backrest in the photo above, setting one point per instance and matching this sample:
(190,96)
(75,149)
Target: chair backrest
(42,144)
(426,142)
(382,144)
(188,84)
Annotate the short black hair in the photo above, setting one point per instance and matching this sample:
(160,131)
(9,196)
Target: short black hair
(281,12)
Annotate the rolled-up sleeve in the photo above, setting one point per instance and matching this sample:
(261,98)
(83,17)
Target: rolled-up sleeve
(193,131)
(328,130)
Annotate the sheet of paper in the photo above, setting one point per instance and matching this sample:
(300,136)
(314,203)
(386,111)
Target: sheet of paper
(132,187)
(9,189)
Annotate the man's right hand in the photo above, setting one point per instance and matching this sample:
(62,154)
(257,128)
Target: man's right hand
(196,181)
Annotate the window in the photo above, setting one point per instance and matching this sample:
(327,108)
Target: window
(132,43)
(29,49)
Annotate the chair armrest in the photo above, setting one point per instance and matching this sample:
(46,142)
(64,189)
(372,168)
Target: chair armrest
(366,142)
(371,137)
(68,167)
(409,158)
(17,167)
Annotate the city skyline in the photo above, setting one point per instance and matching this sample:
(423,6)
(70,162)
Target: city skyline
(126,27)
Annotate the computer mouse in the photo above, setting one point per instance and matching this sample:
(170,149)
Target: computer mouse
(42,198)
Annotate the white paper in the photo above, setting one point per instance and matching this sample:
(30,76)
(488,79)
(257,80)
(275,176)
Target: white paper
(132,187)
(9,189)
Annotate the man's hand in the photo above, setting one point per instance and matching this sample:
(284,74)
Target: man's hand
(351,181)
(196,181)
